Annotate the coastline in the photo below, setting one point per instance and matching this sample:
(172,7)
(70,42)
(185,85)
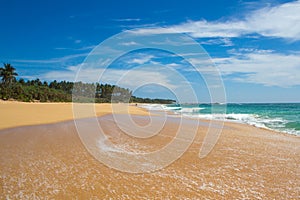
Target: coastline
(15,114)
(278,117)
(49,160)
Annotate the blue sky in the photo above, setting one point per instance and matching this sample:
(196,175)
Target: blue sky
(254,44)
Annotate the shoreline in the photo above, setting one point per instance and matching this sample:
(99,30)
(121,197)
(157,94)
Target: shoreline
(258,123)
(66,114)
(50,161)
(170,112)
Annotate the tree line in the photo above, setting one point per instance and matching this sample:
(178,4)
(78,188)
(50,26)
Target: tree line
(64,91)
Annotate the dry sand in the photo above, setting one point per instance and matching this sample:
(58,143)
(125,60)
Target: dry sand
(50,161)
(13,114)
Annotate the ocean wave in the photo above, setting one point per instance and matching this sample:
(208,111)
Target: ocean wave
(152,106)
(276,124)
(190,110)
(160,107)
(172,108)
(263,120)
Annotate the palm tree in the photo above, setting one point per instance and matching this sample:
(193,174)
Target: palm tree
(8,74)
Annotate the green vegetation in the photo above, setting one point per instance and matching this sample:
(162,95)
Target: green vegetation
(36,90)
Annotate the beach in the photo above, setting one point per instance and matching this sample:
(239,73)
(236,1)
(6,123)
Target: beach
(15,114)
(42,156)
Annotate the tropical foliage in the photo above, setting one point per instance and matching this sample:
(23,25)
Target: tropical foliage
(64,91)
(8,74)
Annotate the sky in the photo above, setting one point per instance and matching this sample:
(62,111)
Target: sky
(253,47)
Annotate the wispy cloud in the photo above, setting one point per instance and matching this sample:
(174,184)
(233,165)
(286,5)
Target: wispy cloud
(157,76)
(281,21)
(218,41)
(132,43)
(61,48)
(52,60)
(127,78)
(84,48)
(248,65)
(138,26)
(140,59)
(127,20)
(261,67)
(68,74)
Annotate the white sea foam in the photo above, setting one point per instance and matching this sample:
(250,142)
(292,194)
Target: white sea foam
(102,144)
(190,110)
(152,106)
(277,124)
(172,108)
(251,119)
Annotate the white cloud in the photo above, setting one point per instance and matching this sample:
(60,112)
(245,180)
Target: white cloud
(140,59)
(126,78)
(128,20)
(201,29)
(86,48)
(139,77)
(262,67)
(133,79)
(52,60)
(68,74)
(282,21)
(226,42)
(173,65)
(135,25)
(132,43)
(179,41)
(76,49)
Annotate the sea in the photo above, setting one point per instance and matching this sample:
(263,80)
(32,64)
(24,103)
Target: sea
(282,117)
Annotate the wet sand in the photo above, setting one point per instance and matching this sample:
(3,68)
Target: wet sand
(50,161)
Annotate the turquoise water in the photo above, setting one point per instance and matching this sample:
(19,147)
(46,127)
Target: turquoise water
(283,117)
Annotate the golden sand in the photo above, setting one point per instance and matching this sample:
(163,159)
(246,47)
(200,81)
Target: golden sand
(50,162)
(13,114)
